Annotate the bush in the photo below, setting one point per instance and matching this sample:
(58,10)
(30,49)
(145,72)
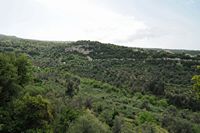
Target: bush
(88,124)
(156,87)
(33,113)
(176,125)
(150,128)
(117,125)
(143,117)
(65,117)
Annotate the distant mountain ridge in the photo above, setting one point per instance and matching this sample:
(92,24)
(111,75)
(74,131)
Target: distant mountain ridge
(190,52)
(2,36)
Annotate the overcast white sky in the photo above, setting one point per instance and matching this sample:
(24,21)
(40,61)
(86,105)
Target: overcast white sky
(134,23)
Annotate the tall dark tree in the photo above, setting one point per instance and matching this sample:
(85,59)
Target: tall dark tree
(72,87)
(23,69)
(117,126)
(8,78)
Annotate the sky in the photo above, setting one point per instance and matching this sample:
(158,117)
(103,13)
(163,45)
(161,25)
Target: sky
(171,24)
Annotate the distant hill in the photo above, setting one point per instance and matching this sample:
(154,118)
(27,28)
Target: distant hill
(7,37)
(190,52)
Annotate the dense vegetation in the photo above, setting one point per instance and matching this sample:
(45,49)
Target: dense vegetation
(90,87)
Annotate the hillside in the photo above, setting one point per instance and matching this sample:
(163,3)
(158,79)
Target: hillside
(89,86)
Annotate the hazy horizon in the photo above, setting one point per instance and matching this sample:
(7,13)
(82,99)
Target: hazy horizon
(167,24)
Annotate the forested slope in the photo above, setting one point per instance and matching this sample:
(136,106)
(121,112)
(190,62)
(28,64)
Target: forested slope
(92,87)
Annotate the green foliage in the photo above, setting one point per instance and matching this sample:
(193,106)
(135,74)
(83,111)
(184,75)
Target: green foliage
(163,103)
(72,88)
(150,128)
(88,124)
(183,98)
(145,117)
(196,86)
(8,78)
(34,90)
(108,88)
(177,125)
(14,74)
(196,128)
(67,116)
(156,87)
(33,113)
(23,69)
(118,124)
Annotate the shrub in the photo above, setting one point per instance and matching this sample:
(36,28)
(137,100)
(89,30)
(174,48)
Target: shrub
(32,113)
(143,117)
(176,125)
(88,124)
(117,125)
